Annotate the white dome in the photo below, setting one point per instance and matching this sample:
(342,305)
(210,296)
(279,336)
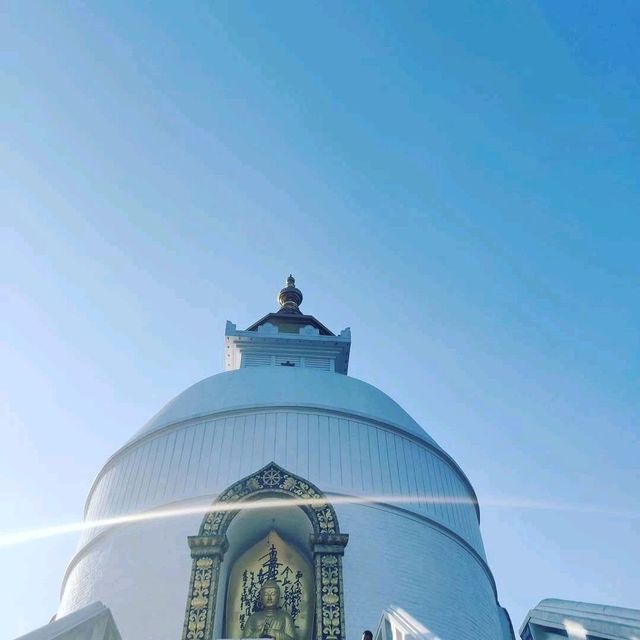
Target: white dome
(283,387)
(341,434)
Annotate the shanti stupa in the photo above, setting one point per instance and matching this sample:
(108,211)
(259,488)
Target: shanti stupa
(286,429)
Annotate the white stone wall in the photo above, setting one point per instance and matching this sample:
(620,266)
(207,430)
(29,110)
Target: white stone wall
(394,559)
(423,553)
(337,453)
(141,572)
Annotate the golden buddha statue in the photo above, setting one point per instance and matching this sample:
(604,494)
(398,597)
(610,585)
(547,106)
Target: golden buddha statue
(272,621)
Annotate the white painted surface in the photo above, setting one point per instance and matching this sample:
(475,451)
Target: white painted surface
(270,347)
(347,437)
(283,387)
(91,622)
(141,572)
(340,455)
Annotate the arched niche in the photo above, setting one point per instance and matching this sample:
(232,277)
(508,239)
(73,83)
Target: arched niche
(222,531)
(277,554)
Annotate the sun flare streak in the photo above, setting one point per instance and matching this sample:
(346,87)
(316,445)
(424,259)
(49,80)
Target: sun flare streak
(20,537)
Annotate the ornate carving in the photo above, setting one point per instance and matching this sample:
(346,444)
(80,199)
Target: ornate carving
(330,580)
(202,576)
(209,547)
(328,549)
(272,478)
(329,542)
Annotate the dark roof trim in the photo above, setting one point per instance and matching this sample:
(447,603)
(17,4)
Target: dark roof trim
(291,318)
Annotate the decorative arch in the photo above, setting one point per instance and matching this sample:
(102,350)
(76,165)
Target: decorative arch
(210,545)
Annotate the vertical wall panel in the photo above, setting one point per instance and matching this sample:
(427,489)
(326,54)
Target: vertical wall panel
(376,464)
(344,455)
(442,490)
(383,456)
(368,484)
(451,495)
(392,462)
(302,445)
(314,446)
(407,475)
(291,456)
(418,479)
(227,456)
(213,471)
(143,482)
(237,451)
(337,450)
(269,451)
(355,459)
(174,467)
(325,461)
(422,489)
(280,438)
(190,465)
(165,457)
(123,475)
(152,478)
(249,445)
(143,479)
(198,446)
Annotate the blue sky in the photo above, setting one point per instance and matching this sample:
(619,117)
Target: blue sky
(456,181)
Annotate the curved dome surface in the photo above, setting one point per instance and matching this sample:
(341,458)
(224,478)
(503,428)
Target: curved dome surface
(280,387)
(338,433)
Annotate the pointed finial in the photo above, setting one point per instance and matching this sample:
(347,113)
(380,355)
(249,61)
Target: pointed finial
(290,298)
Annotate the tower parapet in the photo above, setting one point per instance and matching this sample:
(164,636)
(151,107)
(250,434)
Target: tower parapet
(287,338)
